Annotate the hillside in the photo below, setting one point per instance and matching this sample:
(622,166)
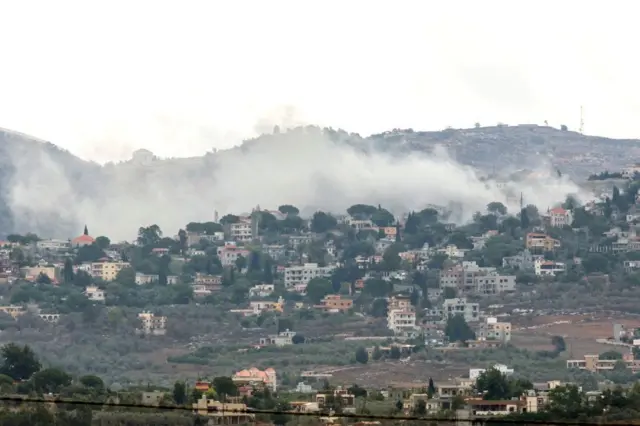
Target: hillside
(50,191)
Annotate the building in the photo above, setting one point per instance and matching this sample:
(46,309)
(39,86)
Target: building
(474,373)
(254,377)
(492,329)
(335,303)
(524,261)
(303,274)
(537,242)
(219,413)
(107,271)
(83,240)
(401,316)
(152,324)
(142,279)
(261,290)
(53,245)
(560,217)
(230,252)
(32,273)
(243,230)
(94,293)
(471,279)
(460,306)
(548,267)
(594,364)
(284,338)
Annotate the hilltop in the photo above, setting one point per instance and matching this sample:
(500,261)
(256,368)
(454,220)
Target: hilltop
(40,182)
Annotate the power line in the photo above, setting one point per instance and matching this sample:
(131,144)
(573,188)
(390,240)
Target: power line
(478,420)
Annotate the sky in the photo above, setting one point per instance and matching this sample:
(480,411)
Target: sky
(104,78)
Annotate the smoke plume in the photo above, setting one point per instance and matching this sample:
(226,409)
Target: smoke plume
(56,194)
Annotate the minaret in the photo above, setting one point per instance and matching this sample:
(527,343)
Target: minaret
(86,231)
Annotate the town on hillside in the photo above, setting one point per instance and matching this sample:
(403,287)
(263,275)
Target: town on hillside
(528,313)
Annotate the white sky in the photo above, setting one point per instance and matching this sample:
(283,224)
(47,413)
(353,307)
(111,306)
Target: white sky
(102,78)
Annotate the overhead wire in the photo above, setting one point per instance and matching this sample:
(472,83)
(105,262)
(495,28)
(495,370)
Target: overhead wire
(192,410)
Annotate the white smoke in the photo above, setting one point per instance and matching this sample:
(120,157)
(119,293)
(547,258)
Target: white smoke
(302,167)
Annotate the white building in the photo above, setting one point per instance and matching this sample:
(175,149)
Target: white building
(152,324)
(229,253)
(94,293)
(460,306)
(53,245)
(401,321)
(560,217)
(474,373)
(261,290)
(303,274)
(548,267)
(284,338)
(241,230)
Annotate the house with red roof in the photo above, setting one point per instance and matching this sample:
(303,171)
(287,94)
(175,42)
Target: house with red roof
(560,217)
(83,240)
(254,376)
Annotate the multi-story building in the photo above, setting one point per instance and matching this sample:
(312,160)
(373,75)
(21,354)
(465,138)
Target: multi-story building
(33,272)
(223,413)
(548,267)
(53,245)
(142,279)
(560,217)
(470,279)
(524,261)
(460,306)
(261,290)
(492,329)
(152,324)
(244,230)
(254,376)
(107,271)
(401,316)
(303,274)
(594,364)
(537,242)
(229,253)
(335,303)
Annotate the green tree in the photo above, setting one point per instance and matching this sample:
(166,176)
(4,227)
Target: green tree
(224,386)
(183,239)
(361,211)
(289,210)
(493,385)
(43,278)
(431,389)
(457,329)
(149,235)
(267,272)
(391,259)
(241,263)
(67,272)
(18,362)
(382,217)
(50,380)
(92,382)
(103,242)
(361,355)
(420,408)
(611,355)
(180,393)
(318,288)
(496,207)
(379,308)
(322,222)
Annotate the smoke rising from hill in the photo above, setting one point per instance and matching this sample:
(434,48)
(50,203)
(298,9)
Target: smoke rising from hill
(306,167)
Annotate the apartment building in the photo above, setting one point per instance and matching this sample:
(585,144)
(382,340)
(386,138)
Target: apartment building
(152,324)
(261,290)
(304,273)
(107,271)
(470,279)
(335,303)
(32,273)
(459,306)
(142,279)
(229,253)
(210,282)
(244,230)
(537,242)
(492,329)
(223,413)
(401,316)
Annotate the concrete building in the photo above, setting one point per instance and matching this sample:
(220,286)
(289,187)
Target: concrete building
(94,293)
(53,245)
(401,316)
(107,271)
(560,217)
(303,274)
(471,279)
(537,242)
(492,329)
(548,267)
(219,413)
(460,306)
(152,324)
(230,252)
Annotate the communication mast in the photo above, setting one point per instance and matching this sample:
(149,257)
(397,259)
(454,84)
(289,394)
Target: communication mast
(581,120)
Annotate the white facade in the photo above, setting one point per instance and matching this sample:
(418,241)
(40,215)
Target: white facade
(401,321)
(53,245)
(94,293)
(303,274)
(560,217)
(261,290)
(241,231)
(230,253)
(547,267)
(474,373)
(152,324)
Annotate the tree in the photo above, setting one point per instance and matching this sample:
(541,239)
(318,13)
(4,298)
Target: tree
(183,238)
(148,236)
(496,207)
(19,363)
(377,287)
(318,288)
(412,224)
(180,393)
(361,355)
(67,272)
(391,258)
(229,219)
(431,389)
(379,307)
(611,355)
(420,409)
(457,329)
(50,380)
(382,217)
(297,339)
(92,382)
(289,210)
(322,222)
(241,262)
(524,219)
(493,385)
(361,210)
(224,386)
(103,242)
(43,278)
(163,269)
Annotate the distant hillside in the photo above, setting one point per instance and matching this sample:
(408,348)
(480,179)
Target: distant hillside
(50,191)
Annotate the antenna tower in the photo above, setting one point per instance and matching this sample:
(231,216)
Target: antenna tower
(521,201)
(581,120)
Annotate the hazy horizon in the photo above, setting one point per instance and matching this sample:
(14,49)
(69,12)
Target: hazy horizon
(181,78)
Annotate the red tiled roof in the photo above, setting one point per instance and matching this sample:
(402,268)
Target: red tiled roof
(558,210)
(84,238)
